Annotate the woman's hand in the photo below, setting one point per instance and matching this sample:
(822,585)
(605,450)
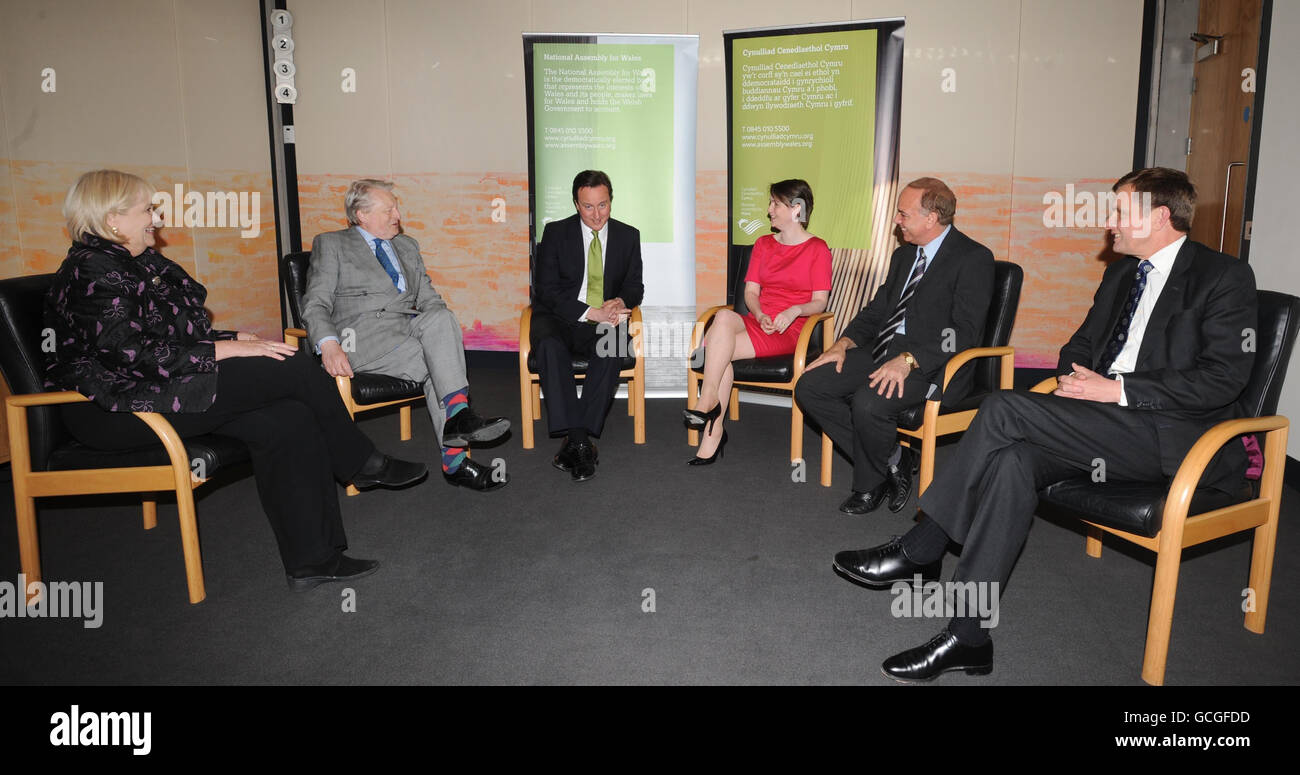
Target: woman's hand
(765,323)
(783,319)
(253,348)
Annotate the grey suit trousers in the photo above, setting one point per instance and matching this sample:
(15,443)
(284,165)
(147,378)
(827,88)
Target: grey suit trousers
(433,353)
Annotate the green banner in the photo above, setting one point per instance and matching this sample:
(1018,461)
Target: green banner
(609,107)
(804,106)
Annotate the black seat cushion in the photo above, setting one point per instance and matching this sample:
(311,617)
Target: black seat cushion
(1136,507)
(775,368)
(580,364)
(213,451)
(378,388)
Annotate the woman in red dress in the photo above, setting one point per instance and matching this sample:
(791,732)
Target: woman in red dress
(789,278)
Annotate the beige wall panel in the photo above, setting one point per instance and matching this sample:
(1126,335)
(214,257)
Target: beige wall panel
(11,253)
(116,82)
(342,132)
(660,17)
(456,80)
(972,127)
(1078,87)
(223,80)
(709,20)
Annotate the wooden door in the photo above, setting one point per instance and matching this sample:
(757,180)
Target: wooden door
(1223,111)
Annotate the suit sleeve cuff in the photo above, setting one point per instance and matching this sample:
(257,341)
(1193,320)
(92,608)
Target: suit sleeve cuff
(323,340)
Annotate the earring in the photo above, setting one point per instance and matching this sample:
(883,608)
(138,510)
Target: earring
(114,228)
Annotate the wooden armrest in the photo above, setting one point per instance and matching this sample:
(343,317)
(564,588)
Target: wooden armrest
(805,336)
(1046,386)
(525,332)
(636,329)
(293,335)
(702,324)
(1203,451)
(46,399)
(970,354)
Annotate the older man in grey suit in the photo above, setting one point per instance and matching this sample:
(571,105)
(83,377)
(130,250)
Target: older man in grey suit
(371,307)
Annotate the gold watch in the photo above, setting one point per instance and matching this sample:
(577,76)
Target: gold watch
(911,361)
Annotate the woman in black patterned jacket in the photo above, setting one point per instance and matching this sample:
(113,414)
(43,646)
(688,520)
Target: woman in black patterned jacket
(131,334)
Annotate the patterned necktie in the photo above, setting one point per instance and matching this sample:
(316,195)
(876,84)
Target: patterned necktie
(1120,333)
(595,273)
(386,264)
(900,312)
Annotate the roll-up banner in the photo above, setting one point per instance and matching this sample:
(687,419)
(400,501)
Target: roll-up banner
(624,104)
(821,103)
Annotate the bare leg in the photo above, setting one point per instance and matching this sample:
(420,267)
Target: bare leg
(725,342)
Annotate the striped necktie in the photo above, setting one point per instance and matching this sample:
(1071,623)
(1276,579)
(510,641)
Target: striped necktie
(900,312)
(1119,335)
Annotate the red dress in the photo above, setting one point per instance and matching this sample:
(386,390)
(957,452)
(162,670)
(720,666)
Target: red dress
(786,275)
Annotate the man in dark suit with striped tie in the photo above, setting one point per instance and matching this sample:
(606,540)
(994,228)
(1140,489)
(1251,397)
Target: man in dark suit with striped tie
(1162,356)
(891,357)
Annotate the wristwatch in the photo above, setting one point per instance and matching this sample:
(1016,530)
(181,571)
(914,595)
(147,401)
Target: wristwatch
(910,360)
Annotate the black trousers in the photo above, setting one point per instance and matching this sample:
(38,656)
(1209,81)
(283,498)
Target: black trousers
(1019,442)
(557,342)
(299,437)
(862,423)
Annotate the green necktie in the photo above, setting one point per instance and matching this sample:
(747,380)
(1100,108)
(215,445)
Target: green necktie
(595,273)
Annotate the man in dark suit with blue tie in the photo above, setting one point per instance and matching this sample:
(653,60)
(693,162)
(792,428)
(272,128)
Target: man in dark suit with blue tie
(586,281)
(931,306)
(1161,357)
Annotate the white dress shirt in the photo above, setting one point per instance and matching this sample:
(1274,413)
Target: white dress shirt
(1162,263)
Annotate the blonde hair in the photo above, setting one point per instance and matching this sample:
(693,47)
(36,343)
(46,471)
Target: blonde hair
(98,193)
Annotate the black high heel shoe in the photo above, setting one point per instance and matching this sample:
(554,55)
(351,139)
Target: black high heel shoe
(697,420)
(711,459)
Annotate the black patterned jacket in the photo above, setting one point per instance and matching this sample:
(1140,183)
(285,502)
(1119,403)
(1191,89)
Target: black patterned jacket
(130,333)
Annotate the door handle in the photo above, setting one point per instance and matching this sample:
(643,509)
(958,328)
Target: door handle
(1227,182)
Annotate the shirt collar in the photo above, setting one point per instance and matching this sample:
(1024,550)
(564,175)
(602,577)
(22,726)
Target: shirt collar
(1162,260)
(367,236)
(587,231)
(932,247)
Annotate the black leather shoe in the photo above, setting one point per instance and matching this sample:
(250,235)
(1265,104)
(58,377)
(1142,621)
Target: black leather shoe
(567,457)
(475,477)
(865,502)
(880,566)
(384,471)
(466,427)
(900,486)
(942,653)
(341,568)
(584,461)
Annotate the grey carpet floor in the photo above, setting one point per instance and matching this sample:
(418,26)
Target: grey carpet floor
(549,582)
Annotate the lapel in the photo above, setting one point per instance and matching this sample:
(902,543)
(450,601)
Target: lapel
(412,266)
(1170,301)
(364,259)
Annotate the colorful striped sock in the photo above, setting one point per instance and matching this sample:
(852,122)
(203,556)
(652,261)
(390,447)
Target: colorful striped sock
(456,401)
(452,457)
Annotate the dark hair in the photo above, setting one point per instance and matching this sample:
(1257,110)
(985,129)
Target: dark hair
(592,179)
(936,197)
(794,192)
(1168,188)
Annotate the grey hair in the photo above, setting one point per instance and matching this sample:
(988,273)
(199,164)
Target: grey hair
(358,197)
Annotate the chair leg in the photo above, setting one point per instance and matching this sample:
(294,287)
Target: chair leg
(927,463)
(29,548)
(404,422)
(692,398)
(796,431)
(735,405)
(1162,616)
(637,394)
(190,544)
(526,409)
(1261,569)
(828,449)
(1092,544)
(150,508)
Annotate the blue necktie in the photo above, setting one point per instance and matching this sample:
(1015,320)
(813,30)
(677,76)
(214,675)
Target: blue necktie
(386,264)
(1120,334)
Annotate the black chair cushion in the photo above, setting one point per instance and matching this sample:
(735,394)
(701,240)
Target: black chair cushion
(774,369)
(579,364)
(1135,507)
(378,388)
(213,451)
(295,282)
